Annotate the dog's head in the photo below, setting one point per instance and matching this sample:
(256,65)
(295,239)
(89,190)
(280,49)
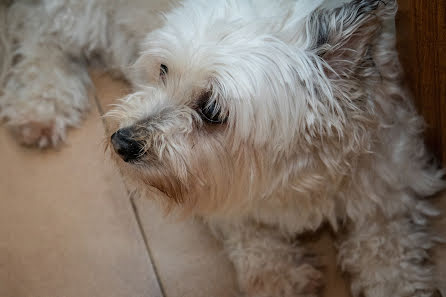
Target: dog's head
(236,102)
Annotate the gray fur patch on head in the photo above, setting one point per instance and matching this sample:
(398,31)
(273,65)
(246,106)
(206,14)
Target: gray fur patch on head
(333,28)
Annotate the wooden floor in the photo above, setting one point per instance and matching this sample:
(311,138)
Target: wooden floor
(421,31)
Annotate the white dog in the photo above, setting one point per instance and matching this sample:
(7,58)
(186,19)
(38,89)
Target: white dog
(266,118)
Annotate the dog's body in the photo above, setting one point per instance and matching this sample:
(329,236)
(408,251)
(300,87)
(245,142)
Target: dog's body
(265,118)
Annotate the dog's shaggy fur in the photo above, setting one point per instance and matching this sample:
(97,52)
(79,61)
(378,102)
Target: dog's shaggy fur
(266,118)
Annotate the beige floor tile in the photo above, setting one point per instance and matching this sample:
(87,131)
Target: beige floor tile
(66,225)
(190,262)
(108,89)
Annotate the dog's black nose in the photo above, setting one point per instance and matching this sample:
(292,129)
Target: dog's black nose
(125,146)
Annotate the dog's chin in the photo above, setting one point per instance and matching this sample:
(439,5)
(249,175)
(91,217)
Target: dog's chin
(152,177)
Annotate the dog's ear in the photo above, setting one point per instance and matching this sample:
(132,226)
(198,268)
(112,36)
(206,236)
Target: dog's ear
(344,36)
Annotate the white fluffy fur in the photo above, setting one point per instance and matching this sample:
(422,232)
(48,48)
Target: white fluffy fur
(318,127)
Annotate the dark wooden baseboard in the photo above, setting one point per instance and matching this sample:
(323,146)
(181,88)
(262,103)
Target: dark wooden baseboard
(421,35)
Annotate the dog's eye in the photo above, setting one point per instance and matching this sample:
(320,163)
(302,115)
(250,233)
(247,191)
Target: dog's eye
(210,111)
(163,72)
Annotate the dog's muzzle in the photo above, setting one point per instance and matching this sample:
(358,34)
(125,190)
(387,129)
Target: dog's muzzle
(125,146)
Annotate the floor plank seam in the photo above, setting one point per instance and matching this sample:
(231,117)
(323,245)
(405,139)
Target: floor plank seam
(146,242)
(134,208)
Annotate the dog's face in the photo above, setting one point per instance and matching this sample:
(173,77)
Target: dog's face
(235,104)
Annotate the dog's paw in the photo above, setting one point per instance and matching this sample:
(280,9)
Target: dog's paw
(43,97)
(39,134)
(41,121)
(291,281)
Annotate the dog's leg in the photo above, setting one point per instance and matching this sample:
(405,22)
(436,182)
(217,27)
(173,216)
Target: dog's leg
(267,264)
(45,93)
(388,257)
(46,88)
